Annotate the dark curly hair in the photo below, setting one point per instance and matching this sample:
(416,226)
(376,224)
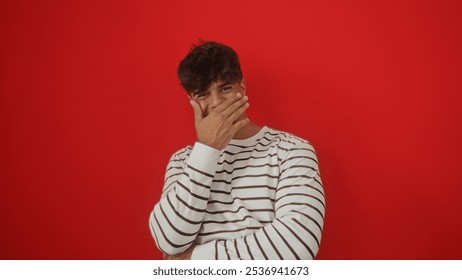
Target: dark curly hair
(208,62)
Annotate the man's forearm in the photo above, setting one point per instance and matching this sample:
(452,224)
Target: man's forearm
(177,217)
(286,238)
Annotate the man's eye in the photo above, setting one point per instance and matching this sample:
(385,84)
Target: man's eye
(201,95)
(226,89)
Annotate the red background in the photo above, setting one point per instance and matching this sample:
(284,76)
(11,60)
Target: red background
(91,110)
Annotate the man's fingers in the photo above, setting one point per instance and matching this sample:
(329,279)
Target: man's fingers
(198,116)
(240,124)
(227,102)
(237,113)
(234,106)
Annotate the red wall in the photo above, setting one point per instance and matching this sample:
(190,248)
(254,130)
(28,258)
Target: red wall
(91,110)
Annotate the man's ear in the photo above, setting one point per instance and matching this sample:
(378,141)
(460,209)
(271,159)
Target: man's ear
(242,83)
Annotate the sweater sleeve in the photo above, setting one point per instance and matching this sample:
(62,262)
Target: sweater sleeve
(177,217)
(295,233)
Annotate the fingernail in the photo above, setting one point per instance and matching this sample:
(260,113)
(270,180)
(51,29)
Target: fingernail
(245,98)
(239,94)
(191,102)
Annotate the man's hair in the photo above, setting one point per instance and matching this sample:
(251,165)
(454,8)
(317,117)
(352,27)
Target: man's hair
(208,62)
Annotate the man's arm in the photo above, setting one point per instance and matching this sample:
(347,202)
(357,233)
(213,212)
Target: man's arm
(300,206)
(177,217)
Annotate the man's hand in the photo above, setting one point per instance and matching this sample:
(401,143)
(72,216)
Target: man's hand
(186,255)
(219,127)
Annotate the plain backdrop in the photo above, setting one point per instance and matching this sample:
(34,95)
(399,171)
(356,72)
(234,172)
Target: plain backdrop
(91,110)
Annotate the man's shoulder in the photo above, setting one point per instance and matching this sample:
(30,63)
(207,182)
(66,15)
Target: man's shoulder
(287,140)
(291,146)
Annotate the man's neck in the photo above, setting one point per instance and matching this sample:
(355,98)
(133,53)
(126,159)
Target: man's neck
(249,130)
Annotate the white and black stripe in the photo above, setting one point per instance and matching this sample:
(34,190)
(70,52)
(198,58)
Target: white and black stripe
(260,198)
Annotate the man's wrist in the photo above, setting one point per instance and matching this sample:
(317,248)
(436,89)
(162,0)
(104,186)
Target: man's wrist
(210,145)
(204,158)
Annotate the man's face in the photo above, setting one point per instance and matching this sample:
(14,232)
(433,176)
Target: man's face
(217,93)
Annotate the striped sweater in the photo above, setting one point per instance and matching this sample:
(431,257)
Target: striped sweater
(259,198)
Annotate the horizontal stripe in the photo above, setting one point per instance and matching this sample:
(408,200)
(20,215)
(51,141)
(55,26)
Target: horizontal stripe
(191,193)
(187,205)
(243,187)
(227,231)
(200,171)
(173,227)
(244,159)
(191,180)
(241,199)
(290,168)
(174,245)
(237,210)
(259,139)
(252,150)
(293,137)
(304,204)
(198,183)
(297,157)
(181,216)
(177,160)
(296,177)
(274,141)
(245,176)
(173,167)
(301,194)
(246,167)
(296,149)
(234,221)
(175,174)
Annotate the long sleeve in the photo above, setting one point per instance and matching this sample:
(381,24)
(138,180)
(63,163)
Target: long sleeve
(177,217)
(295,233)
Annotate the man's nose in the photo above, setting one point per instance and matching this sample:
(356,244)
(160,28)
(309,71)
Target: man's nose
(216,99)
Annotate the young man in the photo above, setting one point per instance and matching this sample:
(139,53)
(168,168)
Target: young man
(241,191)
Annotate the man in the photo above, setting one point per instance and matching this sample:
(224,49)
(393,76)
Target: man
(242,191)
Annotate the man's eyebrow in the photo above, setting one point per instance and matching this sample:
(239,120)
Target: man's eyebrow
(224,84)
(196,92)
